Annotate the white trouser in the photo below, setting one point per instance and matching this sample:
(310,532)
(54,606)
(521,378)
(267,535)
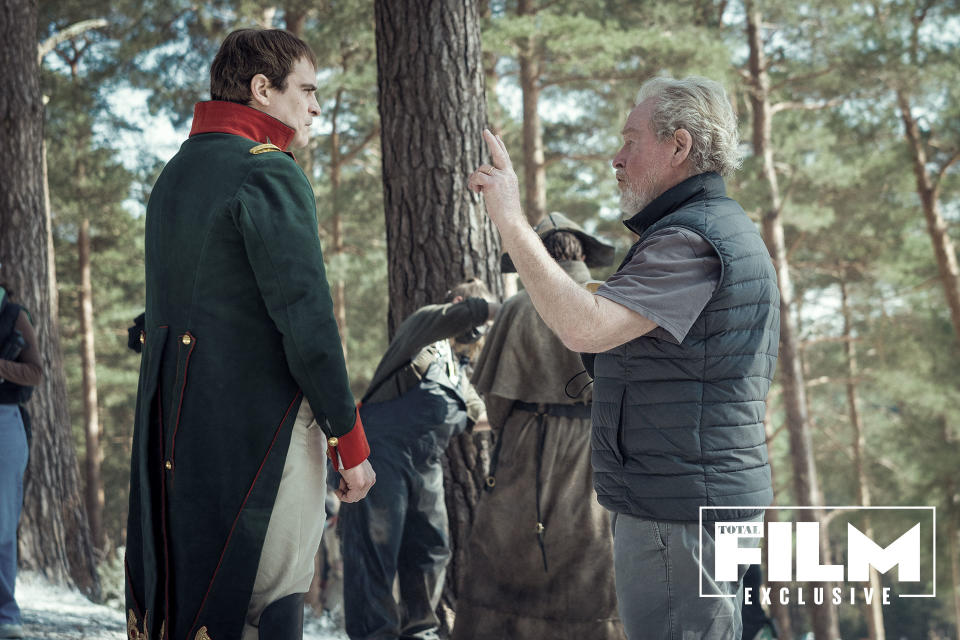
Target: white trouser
(296,523)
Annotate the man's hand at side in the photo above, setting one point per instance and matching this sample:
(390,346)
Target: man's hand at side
(356,482)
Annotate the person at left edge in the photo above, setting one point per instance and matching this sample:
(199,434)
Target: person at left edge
(21,369)
(243,388)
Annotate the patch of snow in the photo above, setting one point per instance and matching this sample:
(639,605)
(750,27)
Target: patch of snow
(57,613)
(52,612)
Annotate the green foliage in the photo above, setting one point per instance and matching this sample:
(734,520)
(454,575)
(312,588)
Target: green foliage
(593,57)
(850,207)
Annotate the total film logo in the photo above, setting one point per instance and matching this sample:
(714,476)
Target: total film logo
(790,555)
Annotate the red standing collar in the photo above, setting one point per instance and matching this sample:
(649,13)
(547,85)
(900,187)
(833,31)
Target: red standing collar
(218,116)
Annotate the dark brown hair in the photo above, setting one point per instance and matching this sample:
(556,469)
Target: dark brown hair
(472,288)
(247,52)
(563,245)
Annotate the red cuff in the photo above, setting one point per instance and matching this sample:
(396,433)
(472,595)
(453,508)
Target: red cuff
(352,446)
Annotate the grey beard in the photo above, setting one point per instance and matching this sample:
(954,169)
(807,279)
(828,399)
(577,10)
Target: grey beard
(632,202)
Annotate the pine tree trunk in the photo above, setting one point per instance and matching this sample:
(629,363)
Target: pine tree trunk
(929,192)
(874,611)
(779,612)
(534,168)
(294,18)
(432,114)
(91,415)
(337,248)
(806,486)
(495,112)
(496,116)
(54,537)
(431,101)
(51,258)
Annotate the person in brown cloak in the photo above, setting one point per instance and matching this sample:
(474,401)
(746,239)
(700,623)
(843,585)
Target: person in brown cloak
(540,555)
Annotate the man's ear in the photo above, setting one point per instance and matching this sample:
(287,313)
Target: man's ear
(260,88)
(682,142)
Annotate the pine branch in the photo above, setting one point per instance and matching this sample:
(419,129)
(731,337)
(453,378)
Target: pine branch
(68,33)
(352,153)
(795,80)
(946,165)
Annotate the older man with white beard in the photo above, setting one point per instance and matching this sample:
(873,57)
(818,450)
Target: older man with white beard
(685,335)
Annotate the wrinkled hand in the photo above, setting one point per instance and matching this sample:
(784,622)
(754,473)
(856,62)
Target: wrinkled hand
(498,184)
(356,482)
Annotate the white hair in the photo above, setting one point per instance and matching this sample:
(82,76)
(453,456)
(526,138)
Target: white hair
(700,106)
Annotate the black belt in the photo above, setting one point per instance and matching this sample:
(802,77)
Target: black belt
(555,410)
(540,411)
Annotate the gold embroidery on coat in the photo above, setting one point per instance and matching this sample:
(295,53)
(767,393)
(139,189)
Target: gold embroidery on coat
(202,634)
(264,148)
(132,632)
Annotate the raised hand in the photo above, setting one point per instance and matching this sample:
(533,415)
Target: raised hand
(498,184)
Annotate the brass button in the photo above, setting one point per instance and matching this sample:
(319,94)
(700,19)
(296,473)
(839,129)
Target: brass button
(333,441)
(143,337)
(186,339)
(168,465)
(491,482)
(540,527)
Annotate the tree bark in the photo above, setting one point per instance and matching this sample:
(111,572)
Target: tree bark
(295,15)
(778,611)
(432,114)
(48,222)
(54,537)
(806,486)
(928,188)
(496,117)
(431,102)
(534,169)
(339,289)
(91,414)
(874,611)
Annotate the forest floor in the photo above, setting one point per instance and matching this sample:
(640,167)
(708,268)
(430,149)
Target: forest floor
(55,613)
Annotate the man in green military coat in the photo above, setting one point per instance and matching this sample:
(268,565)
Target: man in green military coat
(243,389)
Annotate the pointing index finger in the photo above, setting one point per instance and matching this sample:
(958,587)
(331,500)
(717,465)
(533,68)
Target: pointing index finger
(498,151)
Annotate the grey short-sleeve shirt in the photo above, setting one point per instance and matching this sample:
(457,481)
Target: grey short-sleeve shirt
(669,280)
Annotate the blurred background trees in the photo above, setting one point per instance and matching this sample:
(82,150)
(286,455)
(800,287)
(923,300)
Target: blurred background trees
(851,135)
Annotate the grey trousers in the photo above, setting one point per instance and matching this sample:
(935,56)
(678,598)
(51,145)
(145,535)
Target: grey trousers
(658,582)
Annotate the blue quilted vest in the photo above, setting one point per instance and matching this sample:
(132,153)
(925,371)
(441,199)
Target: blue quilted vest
(680,427)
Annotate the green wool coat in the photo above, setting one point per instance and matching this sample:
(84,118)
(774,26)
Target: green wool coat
(239,329)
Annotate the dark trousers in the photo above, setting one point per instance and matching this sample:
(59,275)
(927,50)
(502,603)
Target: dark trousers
(398,532)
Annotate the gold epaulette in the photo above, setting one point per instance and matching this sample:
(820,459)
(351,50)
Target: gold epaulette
(264,148)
